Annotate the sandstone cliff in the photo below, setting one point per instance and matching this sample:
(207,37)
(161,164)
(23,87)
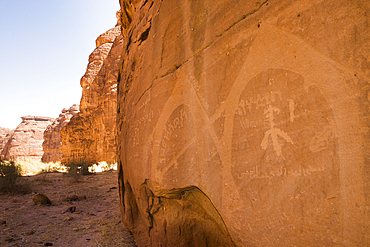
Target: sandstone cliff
(90,136)
(245,122)
(26,140)
(52,145)
(4,137)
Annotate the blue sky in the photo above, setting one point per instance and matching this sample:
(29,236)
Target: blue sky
(44,50)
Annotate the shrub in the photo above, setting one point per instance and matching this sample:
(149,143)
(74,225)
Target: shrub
(10,171)
(76,169)
(54,168)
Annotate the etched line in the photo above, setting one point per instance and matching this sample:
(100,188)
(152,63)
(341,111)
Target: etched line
(274,132)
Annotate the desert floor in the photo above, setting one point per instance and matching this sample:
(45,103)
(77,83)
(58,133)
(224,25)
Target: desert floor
(95,222)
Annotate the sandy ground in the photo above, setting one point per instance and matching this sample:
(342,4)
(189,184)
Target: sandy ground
(95,222)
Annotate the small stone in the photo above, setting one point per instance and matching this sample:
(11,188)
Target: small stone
(72,198)
(82,198)
(2,222)
(41,199)
(48,244)
(75,229)
(30,232)
(9,239)
(71,209)
(68,218)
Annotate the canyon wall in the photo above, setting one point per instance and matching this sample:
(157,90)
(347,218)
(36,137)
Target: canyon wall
(245,123)
(90,135)
(52,145)
(26,140)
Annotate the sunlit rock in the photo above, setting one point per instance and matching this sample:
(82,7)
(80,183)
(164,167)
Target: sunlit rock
(26,140)
(249,117)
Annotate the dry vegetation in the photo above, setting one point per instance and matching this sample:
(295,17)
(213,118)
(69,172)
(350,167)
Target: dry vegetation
(95,221)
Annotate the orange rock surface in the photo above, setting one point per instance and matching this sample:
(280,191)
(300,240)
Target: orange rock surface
(26,140)
(90,135)
(245,123)
(52,145)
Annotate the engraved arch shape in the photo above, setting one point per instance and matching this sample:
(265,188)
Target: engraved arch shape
(171,105)
(317,69)
(329,77)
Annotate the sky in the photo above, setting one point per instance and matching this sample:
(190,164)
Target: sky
(44,51)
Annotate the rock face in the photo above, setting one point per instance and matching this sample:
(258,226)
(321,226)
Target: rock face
(245,124)
(90,136)
(52,145)
(4,137)
(26,140)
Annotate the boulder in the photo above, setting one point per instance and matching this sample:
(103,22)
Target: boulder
(245,123)
(41,199)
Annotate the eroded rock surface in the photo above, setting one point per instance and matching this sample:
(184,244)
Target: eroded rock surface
(26,140)
(90,135)
(52,145)
(261,106)
(4,137)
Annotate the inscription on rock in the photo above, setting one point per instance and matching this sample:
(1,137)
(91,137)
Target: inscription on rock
(282,135)
(177,135)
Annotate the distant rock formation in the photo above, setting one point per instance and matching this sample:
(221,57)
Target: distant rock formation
(90,136)
(52,145)
(26,140)
(4,137)
(245,123)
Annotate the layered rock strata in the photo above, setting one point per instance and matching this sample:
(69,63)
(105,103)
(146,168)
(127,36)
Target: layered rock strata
(52,145)
(90,136)
(245,123)
(26,140)
(4,137)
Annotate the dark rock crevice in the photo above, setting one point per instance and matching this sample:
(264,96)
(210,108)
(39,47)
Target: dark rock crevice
(258,7)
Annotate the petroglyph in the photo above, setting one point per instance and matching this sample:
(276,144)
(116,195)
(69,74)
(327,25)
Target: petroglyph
(246,123)
(274,132)
(177,132)
(273,120)
(255,173)
(257,101)
(279,156)
(321,140)
(176,123)
(136,127)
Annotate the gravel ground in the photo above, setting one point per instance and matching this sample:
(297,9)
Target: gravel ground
(95,220)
